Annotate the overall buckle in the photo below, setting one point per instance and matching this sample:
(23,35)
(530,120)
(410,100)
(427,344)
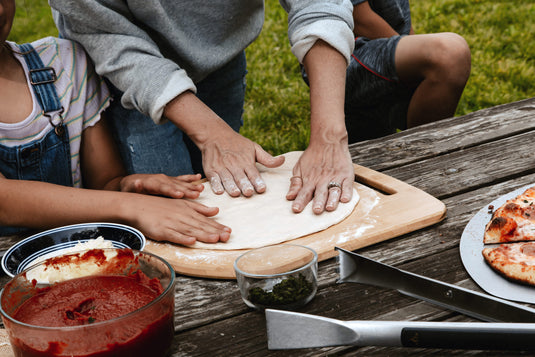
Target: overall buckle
(50,78)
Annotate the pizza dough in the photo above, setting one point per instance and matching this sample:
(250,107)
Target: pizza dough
(267,218)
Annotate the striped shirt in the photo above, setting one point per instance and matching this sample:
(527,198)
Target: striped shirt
(82,93)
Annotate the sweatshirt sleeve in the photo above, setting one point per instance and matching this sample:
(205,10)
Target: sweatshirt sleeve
(330,21)
(123,53)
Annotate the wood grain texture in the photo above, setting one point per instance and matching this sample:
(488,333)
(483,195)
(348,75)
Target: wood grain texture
(486,154)
(448,135)
(465,162)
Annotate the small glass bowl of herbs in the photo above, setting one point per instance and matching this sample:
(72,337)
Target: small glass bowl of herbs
(279,277)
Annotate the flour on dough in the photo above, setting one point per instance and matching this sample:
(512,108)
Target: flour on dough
(267,218)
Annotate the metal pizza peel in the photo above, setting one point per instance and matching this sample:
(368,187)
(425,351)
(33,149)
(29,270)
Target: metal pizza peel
(470,248)
(509,326)
(292,330)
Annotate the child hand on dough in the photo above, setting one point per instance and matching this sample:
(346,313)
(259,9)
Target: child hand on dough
(58,161)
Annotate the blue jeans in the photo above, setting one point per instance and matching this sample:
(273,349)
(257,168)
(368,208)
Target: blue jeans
(47,160)
(147,147)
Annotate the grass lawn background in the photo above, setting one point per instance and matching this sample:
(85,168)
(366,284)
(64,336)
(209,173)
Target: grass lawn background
(501,35)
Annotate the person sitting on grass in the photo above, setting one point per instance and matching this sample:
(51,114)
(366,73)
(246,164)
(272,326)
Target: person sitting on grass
(398,79)
(58,162)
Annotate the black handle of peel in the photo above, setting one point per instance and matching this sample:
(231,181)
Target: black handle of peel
(476,339)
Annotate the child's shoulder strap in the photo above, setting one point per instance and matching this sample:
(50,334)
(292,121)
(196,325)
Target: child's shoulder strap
(42,79)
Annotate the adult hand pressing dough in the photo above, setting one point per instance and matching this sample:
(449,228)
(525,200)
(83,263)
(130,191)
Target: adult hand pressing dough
(267,218)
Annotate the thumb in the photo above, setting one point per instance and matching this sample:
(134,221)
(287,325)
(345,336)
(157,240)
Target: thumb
(266,159)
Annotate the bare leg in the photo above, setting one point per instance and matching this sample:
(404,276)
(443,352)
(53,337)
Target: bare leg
(438,66)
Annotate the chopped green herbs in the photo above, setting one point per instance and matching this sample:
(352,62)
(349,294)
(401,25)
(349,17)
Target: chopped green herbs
(288,291)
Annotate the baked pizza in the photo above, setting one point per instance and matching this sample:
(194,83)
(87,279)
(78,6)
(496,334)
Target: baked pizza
(514,221)
(515,261)
(513,225)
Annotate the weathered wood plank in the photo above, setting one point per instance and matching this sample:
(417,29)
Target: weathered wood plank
(448,135)
(465,161)
(200,301)
(212,320)
(8,241)
(245,334)
(471,168)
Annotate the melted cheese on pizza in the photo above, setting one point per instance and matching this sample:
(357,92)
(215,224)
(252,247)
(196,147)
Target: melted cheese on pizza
(515,261)
(514,221)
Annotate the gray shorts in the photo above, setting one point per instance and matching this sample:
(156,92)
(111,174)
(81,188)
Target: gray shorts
(376,101)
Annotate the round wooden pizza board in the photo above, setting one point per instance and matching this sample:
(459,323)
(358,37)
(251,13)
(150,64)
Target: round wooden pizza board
(387,208)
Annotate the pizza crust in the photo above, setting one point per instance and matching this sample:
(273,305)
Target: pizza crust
(515,261)
(513,224)
(267,218)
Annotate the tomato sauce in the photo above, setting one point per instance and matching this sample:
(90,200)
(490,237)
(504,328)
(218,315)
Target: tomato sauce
(86,304)
(87,300)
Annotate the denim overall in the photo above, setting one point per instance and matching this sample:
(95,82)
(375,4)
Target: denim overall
(49,158)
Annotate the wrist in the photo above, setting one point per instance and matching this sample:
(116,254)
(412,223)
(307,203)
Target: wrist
(123,209)
(332,134)
(194,118)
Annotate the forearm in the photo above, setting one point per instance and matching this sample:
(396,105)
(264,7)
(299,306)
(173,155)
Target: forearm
(41,205)
(326,69)
(195,119)
(327,158)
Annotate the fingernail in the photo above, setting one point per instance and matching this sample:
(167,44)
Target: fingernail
(216,186)
(260,184)
(247,188)
(236,191)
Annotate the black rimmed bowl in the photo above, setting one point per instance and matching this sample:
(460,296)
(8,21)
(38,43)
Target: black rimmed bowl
(50,242)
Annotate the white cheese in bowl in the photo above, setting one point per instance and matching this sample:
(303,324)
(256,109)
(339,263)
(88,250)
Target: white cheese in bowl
(44,274)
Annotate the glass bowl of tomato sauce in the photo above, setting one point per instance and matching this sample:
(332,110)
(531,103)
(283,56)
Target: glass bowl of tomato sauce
(98,302)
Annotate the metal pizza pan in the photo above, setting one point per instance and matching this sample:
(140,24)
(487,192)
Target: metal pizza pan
(471,246)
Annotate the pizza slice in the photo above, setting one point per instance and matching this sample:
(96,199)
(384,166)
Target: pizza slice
(514,221)
(515,261)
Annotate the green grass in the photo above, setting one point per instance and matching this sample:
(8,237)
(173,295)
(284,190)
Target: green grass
(501,35)
(33,20)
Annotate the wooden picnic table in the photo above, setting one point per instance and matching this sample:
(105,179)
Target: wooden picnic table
(466,162)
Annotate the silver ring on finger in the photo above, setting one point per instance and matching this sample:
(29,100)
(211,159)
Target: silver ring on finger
(334,184)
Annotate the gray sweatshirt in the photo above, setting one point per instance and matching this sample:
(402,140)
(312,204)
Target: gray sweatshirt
(153,50)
